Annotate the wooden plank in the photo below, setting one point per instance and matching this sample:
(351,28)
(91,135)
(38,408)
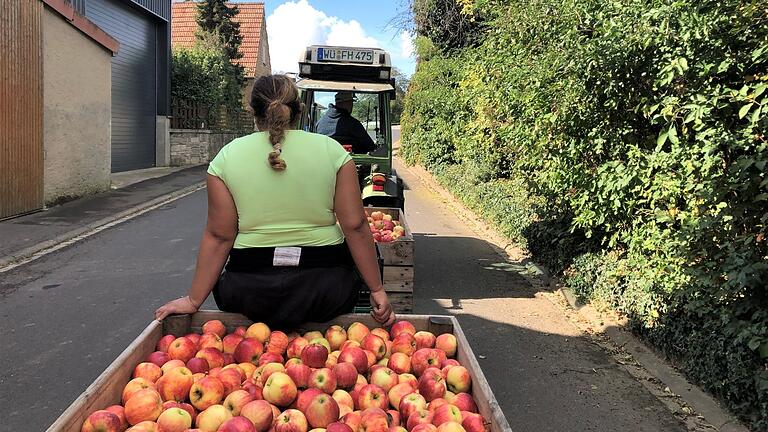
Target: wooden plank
(402,303)
(398,279)
(108,387)
(481,390)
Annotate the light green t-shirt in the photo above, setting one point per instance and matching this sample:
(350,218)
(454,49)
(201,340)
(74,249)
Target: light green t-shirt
(293,207)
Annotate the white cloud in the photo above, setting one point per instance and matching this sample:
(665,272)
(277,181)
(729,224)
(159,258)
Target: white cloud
(294,25)
(406,44)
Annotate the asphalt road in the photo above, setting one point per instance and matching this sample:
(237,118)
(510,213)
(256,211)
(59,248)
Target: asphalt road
(66,316)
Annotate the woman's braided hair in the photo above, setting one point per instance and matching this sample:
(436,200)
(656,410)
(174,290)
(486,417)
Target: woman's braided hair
(277,107)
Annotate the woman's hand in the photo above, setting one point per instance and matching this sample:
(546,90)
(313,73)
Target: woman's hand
(381,310)
(183,305)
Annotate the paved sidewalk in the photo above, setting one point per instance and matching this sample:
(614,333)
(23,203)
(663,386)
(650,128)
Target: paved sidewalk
(24,236)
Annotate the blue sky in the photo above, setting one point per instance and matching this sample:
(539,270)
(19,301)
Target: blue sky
(294,24)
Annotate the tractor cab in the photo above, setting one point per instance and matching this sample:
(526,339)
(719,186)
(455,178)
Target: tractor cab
(350,89)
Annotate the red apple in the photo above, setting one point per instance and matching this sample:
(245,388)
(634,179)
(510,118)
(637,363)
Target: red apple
(465,402)
(171,364)
(248,351)
(119,411)
(158,357)
(397,392)
(279,389)
(175,385)
(447,343)
(164,343)
(458,379)
(270,358)
(352,420)
(174,420)
(278,342)
(411,403)
(299,373)
(450,426)
(346,375)
(374,344)
(194,337)
(182,349)
(432,384)
(214,357)
(357,331)
(357,357)
(408,378)
(323,379)
(322,411)
(216,327)
(472,422)
(207,392)
(373,420)
(144,405)
(372,396)
(102,421)
(231,379)
(343,398)
(349,344)
(305,397)
(240,331)
(291,420)
(437,403)
(418,417)
(212,418)
(336,335)
(185,406)
(338,427)
(228,359)
(147,370)
(424,427)
(230,342)
(296,346)
(198,365)
(446,413)
(134,386)
(424,358)
(400,363)
(254,390)
(424,339)
(393,417)
(237,424)
(314,355)
(384,377)
(236,400)
(259,412)
(404,343)
(259,331)
(449,362)
(210,340)
(402,327)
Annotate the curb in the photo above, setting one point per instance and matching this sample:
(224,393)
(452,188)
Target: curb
(41,249)
(676,384)
(651,364)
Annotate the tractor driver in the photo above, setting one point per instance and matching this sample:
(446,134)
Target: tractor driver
(338,123)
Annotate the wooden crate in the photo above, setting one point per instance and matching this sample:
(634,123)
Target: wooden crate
(107,388)
(398,263)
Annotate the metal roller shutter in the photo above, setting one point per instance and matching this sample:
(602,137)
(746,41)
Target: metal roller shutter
(134,81)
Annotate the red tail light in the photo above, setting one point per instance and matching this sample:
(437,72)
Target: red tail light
(379,179)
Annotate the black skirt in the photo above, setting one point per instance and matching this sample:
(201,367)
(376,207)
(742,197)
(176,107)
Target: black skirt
(284,297)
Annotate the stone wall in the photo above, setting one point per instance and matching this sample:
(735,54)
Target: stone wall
(196,147)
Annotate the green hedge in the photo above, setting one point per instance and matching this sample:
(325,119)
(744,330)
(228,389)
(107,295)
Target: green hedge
(624,143)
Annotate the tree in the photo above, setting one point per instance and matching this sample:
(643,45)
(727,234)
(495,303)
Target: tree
(401,86)
(215,17)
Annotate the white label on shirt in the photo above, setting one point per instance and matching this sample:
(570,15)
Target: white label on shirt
(286,257)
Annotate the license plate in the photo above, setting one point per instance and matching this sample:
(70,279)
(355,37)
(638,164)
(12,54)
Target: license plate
(344,55)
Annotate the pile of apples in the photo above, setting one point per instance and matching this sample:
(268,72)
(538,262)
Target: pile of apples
(256,380)
(383,228)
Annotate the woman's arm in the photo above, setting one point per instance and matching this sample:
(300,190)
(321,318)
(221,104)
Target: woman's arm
(349,211)
(218,237)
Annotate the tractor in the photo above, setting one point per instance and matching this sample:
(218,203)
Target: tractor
(324,71)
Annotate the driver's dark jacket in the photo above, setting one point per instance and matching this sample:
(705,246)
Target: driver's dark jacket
(341,126)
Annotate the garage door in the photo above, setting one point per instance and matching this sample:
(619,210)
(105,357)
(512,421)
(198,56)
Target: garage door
(133,81)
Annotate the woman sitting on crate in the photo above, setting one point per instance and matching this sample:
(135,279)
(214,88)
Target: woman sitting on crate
(274,199)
